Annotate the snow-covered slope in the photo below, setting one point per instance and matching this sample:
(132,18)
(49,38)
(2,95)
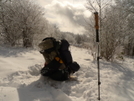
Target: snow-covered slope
(20,79)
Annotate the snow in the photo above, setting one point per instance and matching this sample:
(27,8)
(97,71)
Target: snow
(20,79)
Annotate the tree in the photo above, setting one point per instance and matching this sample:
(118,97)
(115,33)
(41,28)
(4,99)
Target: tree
(1,16)
(127,7)
(108,41)
(21,21)
(112,32)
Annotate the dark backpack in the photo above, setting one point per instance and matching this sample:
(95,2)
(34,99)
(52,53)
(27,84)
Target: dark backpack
(65,53)
(59,62)
(66,56)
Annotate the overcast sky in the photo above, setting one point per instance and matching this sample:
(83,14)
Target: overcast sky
(68,15)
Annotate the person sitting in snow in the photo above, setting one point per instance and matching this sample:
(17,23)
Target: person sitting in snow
(59,64)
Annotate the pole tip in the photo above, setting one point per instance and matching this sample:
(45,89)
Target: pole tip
(98,98)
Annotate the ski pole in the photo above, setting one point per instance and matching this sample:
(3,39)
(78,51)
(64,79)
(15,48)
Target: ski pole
(97,40)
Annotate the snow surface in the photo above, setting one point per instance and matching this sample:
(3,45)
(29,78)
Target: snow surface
(20,79)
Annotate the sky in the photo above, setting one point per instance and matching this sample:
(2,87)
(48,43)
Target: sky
(68,15)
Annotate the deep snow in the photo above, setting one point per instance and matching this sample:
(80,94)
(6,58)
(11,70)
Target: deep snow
(20,79)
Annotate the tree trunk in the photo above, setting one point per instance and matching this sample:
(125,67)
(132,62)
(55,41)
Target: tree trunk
(26,40)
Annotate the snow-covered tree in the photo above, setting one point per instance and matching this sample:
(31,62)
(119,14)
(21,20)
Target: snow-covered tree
(22,20)
(112,32)
(107,34)
(127,8)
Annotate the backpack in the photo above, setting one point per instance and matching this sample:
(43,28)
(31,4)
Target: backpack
(58,59)
(65,53)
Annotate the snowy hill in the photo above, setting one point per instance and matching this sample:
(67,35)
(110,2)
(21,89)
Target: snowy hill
(20,79)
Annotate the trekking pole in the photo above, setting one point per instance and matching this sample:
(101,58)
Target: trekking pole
(97,40)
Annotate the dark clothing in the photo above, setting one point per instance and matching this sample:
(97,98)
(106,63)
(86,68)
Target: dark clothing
(59,62)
